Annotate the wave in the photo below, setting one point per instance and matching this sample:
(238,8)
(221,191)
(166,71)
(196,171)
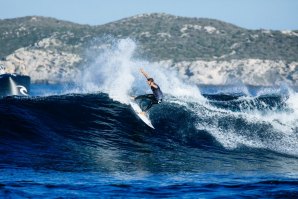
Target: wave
(72,129)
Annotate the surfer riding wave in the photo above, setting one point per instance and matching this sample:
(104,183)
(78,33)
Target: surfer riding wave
(152,99)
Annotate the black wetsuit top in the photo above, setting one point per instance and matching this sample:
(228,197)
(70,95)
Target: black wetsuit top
(157,92)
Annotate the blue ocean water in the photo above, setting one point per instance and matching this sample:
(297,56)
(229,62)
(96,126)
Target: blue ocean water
(234,142)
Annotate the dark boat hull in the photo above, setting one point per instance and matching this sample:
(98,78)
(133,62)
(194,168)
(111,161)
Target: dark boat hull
(12,84)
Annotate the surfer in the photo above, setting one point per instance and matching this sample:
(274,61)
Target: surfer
(154,98)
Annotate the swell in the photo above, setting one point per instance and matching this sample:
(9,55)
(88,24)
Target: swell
(92,131)
(67,130)
(78,117)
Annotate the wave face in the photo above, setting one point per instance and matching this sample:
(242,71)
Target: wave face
(92,131)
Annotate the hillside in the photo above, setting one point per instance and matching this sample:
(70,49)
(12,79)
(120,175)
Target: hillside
(55,45)
(185,39)
(161,37)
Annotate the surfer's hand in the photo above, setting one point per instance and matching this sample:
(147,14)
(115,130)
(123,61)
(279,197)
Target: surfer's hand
(144,73)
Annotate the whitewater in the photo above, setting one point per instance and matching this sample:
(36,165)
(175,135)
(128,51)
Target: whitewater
(116,73)
(83,140)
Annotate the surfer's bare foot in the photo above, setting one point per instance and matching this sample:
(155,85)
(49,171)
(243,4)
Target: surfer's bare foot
(143,113)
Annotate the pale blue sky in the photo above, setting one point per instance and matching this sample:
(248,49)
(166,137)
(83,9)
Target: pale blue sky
(252,14)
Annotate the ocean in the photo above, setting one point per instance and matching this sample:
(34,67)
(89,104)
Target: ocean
(83,140)
(231,141)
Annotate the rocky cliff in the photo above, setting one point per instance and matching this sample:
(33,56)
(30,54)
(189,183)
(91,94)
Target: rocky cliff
(204,51)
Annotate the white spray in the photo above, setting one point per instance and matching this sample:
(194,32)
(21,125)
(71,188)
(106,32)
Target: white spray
(116,73)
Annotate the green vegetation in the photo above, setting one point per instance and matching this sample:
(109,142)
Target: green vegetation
(159,37)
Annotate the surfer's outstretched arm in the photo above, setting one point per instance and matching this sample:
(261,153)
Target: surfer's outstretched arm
(144,73)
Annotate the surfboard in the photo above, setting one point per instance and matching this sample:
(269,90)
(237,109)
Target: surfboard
(138,111)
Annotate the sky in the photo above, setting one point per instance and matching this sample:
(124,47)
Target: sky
(251,14)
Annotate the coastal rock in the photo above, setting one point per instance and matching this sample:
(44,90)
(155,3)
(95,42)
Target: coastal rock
(203,51)
(43,65)
(247,71)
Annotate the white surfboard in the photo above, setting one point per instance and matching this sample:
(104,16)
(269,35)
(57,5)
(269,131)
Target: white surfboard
(138,111)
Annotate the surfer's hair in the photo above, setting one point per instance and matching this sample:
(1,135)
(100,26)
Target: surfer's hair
(150,79)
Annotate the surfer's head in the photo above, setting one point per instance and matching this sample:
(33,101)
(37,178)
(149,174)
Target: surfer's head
(150,79)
